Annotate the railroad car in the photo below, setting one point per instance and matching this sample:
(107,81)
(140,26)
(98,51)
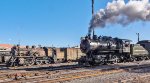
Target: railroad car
(68,54)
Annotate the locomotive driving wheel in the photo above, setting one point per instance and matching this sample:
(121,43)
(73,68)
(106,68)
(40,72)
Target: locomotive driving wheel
(103,61)
(115,59)
(132,59)
(39,62)
(29,62)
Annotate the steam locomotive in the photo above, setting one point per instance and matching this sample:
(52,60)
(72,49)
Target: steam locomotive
(28,56)
(105,49)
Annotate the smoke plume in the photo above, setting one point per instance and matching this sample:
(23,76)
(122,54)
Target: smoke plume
(119,12)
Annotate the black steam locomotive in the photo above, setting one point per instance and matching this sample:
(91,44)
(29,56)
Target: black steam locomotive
(104,49)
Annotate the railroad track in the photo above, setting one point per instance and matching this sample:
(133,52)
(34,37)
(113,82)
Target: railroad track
(44,66)
(39,72)
(49,78)
(27,71)
(53,76)
(87,74)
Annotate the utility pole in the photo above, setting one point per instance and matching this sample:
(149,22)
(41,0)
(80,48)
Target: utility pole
(138,34)
(92,7)
(93,14)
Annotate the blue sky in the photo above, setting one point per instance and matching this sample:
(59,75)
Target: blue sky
(57,22)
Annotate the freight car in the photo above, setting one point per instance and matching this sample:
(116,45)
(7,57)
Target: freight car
(104,49)
(67,54)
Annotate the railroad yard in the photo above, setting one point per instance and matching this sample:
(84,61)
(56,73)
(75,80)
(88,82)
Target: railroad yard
(133,72)
(46,44)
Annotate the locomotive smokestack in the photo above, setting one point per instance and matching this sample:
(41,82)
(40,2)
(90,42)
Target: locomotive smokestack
(138,34)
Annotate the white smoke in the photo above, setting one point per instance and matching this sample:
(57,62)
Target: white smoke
(119,12)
